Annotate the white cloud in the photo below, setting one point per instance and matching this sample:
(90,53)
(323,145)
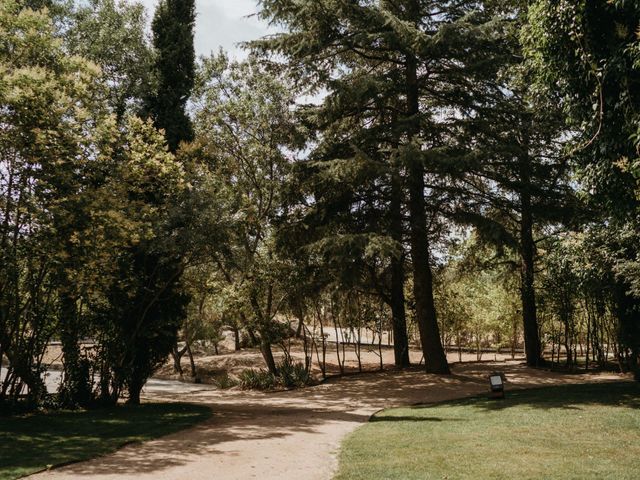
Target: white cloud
(223,23)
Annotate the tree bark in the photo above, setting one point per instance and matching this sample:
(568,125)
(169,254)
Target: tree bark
(192,362)
(400,338)
(267,354)
(135,388)
(527,256)
(176,354)
(434,357)
(252,337)
(236,337)
(75,379)
(300,323)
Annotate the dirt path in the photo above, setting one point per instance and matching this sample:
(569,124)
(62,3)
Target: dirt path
(289,435)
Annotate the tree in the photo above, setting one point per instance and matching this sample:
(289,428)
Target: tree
(55,127)
(476,297)
(348,217)
(27,88)
(587,52)
(77,189)
(517,184)
(418,62)
(172,27)
(94,29)
(156,301)
(246,134)
(139,313)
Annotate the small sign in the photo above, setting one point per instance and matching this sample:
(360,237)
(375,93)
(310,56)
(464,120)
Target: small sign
(496,381)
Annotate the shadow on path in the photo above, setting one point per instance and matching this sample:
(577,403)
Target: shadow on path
(294,434)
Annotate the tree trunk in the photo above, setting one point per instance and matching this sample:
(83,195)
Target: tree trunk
(300,315)
(628,313)
(135,388)
(176,355)
(267,354)
(252,337)
(588,340)
(75,378)
(192,363)
(527,256)
(434,357)
(567,347)
(635,367)
(399,321)
(236,335)
(21,367)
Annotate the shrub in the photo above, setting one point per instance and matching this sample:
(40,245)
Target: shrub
(225,381)
(290,375)
(257,380)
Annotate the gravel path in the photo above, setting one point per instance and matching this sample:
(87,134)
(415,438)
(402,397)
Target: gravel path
(288,435)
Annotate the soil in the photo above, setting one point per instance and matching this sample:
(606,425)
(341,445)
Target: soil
(294,434)
(229,363)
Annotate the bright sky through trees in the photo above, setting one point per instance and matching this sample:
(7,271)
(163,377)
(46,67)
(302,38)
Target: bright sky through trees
(223,23)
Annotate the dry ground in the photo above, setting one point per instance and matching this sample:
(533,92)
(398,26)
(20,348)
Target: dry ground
(289,435)
(229,362)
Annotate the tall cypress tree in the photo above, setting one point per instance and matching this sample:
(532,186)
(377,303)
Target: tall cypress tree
(173,25)
(154,311)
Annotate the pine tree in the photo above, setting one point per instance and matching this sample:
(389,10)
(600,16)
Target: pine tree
(517,177)
(424,62)
(516,185)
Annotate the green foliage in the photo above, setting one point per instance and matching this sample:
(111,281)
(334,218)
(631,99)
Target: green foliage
(581,295)
(246,137)
(95,27)
(225,381)
(172,27)
(145,304)
(82,195)
(251,379)
(384,127)
(586,53)
(150,307)
(477,298)
(251,205)
(54,137)
(290,375)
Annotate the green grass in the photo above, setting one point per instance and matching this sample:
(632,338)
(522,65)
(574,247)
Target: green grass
(32,442)
(564,432)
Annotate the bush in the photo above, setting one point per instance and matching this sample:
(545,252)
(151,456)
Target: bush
(290,375)
(224,381)
(257,380)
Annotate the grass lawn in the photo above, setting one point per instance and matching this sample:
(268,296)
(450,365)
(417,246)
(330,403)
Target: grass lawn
(32,442)
(564,432)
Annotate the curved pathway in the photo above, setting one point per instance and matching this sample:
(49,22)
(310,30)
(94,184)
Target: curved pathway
(288,435)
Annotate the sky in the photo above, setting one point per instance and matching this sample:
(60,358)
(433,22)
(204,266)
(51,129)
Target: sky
(222,23)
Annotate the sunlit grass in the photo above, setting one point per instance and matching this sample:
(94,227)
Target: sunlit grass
(564,432)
